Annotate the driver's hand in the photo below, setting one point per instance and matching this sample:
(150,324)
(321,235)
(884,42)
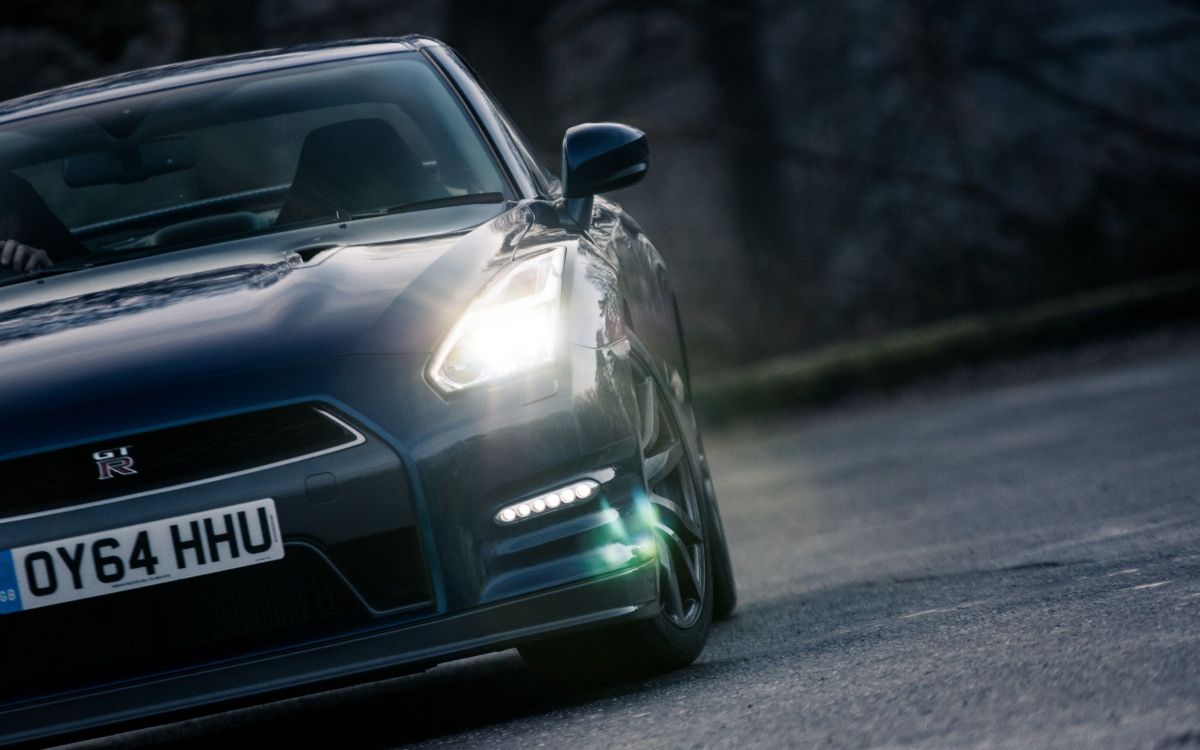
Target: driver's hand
(20,257)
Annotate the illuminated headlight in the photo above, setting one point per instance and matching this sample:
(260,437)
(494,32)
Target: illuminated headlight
(511,327)
(550,501)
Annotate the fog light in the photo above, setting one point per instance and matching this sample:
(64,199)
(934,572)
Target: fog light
(550,501)
(618,554)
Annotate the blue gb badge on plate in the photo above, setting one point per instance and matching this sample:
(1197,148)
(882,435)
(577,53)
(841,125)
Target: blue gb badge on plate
(10,591)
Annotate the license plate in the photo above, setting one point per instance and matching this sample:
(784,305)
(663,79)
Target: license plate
(145,554)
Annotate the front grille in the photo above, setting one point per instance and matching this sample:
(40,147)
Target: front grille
(172,626)
(168,457)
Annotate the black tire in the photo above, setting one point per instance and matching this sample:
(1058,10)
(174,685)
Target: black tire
(677,634)
(723,585)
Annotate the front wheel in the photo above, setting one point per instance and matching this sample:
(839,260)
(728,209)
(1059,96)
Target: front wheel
(676,636)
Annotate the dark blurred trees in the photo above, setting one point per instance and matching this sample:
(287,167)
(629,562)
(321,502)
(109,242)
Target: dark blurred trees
(505,39)
(821,170)
(746,124)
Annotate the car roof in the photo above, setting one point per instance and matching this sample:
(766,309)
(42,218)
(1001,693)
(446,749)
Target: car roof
(163,77)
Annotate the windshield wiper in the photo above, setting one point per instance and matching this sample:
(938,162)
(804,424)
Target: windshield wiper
(450,200)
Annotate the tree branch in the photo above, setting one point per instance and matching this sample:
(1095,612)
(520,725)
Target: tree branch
(1070,50)
(1103,113)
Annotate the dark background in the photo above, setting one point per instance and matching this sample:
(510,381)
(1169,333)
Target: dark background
(1002,562)
(821,171)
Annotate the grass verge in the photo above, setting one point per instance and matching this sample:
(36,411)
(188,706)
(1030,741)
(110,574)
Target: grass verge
(896,359)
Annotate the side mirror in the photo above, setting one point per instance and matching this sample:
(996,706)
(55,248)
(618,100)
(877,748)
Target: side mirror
(599,157)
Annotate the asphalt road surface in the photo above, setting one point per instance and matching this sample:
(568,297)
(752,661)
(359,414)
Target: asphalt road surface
(1006,565)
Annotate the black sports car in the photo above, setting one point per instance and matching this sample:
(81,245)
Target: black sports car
(310,372)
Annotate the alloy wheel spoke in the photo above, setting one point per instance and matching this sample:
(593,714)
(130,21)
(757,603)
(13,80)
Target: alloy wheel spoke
(649,431)
(679,520)
(681,560)
(670,582)
(661,464)
(671,489)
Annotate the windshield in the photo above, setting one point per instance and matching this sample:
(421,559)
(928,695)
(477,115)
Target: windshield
(247,155)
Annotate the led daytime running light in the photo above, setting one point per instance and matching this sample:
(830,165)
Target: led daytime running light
(545,503)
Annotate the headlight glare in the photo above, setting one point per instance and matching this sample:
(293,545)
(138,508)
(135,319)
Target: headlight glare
(512,326)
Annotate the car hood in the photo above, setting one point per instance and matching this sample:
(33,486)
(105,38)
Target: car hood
(359,288)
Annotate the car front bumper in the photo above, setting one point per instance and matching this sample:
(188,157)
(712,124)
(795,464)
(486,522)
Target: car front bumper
(625,596)
(397,560)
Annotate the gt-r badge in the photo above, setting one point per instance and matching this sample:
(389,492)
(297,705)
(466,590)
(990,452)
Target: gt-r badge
(113,462)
